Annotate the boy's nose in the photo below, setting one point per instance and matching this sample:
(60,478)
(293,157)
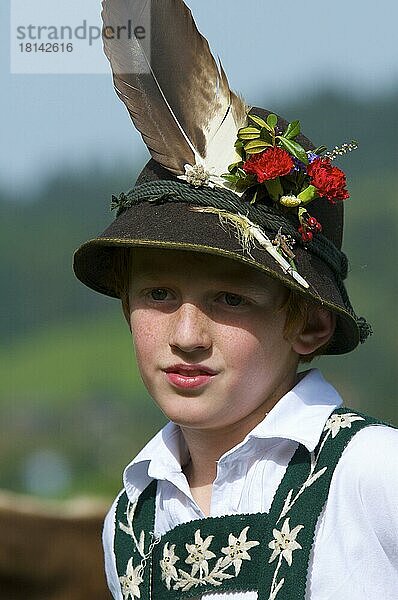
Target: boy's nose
(189,330)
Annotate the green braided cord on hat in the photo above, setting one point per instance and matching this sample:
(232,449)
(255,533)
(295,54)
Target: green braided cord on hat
(161,191)
(222,198)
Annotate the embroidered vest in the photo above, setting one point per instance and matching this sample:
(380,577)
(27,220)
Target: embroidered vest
(266,552)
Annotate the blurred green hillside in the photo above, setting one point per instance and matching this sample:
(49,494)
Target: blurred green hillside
(71,401)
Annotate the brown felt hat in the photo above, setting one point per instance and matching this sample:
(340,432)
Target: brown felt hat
(158,213)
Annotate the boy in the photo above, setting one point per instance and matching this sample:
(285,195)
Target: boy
(262,485)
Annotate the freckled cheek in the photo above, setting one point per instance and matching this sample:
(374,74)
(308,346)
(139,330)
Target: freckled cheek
(255,349)
(242,350)
(146,338)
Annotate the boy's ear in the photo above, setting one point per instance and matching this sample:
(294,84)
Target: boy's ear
(317,331)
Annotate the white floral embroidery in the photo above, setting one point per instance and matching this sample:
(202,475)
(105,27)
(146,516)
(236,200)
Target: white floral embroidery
(333,425)
(237,548)
(285,542)
(131,581)
(283,546)
(169,572)
(198,556)
(337,422)
(276,589)
(130,512)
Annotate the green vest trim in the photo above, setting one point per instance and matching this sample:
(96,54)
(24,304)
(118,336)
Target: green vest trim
(266,552)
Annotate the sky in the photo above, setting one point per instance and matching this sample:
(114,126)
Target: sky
(273,52)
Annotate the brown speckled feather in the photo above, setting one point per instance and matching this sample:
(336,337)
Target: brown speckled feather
(176,94)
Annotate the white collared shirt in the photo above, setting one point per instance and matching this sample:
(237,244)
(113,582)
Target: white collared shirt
(355,551)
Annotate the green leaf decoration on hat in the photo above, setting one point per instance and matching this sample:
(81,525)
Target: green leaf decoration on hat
(291,177)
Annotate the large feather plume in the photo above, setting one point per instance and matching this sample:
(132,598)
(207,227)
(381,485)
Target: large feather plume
(176,94)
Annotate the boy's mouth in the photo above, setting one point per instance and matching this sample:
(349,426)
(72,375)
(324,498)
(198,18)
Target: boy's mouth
(190,370)
(189,376)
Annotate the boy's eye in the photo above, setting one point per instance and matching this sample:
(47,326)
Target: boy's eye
(158,294)
(233,299)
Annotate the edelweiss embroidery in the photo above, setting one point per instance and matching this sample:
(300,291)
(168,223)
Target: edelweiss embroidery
(283,546)
(284,542)
(195,559)
(131,581)
(169,572)
(199,555)
(337,422)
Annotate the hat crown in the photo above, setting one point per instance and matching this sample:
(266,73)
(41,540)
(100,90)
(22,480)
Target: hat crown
(330,215)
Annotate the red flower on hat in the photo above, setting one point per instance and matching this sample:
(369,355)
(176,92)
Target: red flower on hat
(270,164)
(329,181)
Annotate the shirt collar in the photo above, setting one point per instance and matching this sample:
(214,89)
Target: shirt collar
(300,415)
(161,458)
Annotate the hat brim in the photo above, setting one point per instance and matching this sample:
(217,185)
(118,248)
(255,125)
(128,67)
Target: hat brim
(175,226)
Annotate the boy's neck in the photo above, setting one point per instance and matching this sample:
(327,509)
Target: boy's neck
(201,470)
(206,447)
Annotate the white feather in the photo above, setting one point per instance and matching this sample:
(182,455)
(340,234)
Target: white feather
(220,147)
(176,93)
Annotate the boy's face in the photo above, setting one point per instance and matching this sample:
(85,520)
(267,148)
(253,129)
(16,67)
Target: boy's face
(219,317)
